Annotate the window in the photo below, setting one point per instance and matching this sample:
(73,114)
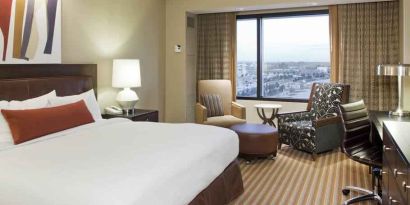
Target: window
(279,56)
(247,51)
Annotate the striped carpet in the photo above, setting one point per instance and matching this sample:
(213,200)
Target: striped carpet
(293,178)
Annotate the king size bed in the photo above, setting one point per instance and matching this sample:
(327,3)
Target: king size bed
(112,161)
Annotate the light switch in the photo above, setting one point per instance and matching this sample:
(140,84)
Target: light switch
(178,48)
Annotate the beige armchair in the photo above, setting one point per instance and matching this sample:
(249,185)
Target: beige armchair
(233,112)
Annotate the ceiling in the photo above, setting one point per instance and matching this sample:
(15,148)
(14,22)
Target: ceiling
(301,4)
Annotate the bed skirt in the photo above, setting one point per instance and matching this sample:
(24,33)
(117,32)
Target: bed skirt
(224,189)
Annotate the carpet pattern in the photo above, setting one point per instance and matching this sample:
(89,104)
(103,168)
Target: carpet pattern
(293,178)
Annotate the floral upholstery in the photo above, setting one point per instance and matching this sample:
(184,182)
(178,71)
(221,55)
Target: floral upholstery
(298,129)
(326,100)
(302,133)
(296,116)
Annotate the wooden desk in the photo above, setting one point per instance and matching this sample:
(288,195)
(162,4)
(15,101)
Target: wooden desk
(395,133)
(378,117)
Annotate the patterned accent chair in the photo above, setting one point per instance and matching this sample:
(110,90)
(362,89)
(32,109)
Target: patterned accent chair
(320,128)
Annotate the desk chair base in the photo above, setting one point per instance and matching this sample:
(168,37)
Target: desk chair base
(368,195)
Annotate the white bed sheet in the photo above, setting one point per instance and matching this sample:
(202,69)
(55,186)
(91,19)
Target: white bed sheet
(116,162)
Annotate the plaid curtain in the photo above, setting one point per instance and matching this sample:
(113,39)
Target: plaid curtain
(368,35)
(216,58)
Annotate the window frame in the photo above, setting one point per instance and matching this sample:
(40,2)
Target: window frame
(259,18)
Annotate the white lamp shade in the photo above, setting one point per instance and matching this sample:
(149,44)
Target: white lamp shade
(126,73)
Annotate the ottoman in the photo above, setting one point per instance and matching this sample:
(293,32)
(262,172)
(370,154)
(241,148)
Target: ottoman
(256,140)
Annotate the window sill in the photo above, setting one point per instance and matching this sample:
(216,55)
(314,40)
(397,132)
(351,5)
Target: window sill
(273,99)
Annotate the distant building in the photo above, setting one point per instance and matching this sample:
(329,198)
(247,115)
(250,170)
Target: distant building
(281,79)
(323,69)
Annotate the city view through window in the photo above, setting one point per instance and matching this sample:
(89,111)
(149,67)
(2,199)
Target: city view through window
(294,53)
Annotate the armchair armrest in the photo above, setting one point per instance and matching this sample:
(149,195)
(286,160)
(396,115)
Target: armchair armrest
(238,110)
(290,113)
(294,116)
(201,114)
(326,121)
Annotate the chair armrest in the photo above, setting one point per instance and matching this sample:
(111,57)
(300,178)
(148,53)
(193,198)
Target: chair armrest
(290,113)
(294,116)
(238,110)
(201,114)
(326,121)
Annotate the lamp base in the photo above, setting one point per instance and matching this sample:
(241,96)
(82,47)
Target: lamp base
(127,105)
(127,99)
(400,113)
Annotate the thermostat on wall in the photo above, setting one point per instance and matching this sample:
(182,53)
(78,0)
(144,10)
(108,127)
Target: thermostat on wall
(178,48)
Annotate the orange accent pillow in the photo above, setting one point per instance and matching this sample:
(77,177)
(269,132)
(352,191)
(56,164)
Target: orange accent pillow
(26,125)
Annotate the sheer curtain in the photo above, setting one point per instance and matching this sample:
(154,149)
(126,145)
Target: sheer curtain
(216,58)
(363,36)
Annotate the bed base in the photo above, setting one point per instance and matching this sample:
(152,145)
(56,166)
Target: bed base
(224,189)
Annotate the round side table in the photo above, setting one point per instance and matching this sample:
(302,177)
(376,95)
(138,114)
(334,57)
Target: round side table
(260,108)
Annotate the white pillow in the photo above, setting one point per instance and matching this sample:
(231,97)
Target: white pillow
(33,103)
(6,139)
(88,97)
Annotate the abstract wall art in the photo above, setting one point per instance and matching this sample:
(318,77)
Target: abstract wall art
(30,31)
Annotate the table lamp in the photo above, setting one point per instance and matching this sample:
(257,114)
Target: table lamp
(126,75)
(399,70)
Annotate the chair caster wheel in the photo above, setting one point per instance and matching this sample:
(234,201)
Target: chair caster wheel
(345,191)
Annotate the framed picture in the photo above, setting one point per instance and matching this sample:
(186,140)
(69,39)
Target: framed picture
(30,31)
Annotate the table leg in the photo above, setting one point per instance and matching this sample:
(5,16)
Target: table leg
(261,115)
(265,119)
(273,117)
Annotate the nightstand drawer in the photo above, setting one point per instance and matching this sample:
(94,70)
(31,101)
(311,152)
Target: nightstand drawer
(138,115)
(149,117)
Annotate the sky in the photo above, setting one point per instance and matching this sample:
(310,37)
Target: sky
(301,38)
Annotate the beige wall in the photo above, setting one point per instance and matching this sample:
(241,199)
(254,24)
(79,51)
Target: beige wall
(97,31)
(176,93)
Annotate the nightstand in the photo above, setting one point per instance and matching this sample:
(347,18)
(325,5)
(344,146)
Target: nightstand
(138,115)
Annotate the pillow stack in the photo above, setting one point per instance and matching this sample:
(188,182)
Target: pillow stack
(21,121)
(6,139)
(30,124)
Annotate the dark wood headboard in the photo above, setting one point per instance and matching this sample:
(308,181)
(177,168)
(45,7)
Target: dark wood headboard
(20,82)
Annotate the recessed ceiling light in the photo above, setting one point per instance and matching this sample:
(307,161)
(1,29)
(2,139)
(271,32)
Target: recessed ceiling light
(240,9)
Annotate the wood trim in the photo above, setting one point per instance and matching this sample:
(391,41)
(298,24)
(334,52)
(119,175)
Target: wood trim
(327,121)
(309,105)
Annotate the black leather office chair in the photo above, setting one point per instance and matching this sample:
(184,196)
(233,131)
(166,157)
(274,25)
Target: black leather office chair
(358,146)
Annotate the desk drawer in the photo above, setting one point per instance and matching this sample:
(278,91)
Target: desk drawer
(389,150)
(385,183)
(400,175)
(394,197)
(397,171)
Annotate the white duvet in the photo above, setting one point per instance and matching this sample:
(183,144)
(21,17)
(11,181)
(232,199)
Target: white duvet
(116,162)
